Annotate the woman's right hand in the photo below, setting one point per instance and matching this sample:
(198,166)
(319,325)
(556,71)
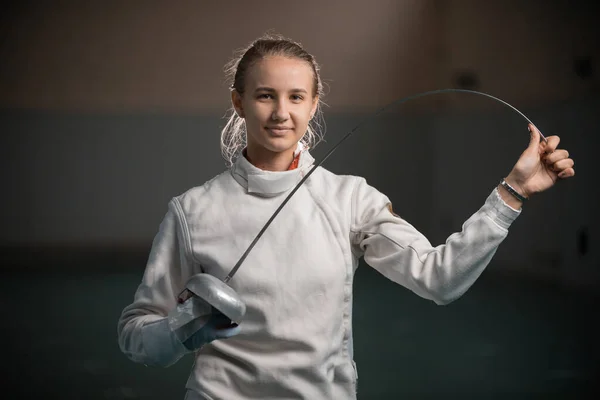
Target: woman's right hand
(217,327)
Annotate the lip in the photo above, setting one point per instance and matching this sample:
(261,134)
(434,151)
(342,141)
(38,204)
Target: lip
(279,130)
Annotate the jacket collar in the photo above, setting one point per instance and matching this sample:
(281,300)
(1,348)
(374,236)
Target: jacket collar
(270,183)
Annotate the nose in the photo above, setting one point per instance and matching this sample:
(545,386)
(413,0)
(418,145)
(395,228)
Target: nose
(280,111)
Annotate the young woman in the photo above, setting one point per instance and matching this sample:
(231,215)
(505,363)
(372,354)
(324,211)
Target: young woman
(296,338)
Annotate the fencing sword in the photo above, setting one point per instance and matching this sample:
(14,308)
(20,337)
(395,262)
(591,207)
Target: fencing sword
(218,294)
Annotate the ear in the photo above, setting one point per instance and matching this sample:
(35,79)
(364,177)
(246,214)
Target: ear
(236,101)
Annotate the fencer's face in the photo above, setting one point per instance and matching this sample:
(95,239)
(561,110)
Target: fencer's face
(277,103)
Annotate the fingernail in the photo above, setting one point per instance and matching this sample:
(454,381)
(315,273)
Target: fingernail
(529,128)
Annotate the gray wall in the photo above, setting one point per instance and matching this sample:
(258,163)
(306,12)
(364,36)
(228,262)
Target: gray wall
(104,180)
(557,234)
(108,109)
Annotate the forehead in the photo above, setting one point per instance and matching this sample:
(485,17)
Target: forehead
(280,73)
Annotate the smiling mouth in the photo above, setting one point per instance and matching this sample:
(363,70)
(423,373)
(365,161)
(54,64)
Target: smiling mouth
(279,130)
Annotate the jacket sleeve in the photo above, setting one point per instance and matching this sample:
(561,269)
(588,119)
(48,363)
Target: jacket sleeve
(143,330)
(397,250)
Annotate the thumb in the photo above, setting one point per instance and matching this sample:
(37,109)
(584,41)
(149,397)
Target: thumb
(534,138)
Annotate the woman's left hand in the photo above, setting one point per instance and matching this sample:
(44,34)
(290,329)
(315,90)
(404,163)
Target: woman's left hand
(540,165)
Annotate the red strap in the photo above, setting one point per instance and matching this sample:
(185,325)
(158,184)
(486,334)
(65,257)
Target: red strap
(294,163)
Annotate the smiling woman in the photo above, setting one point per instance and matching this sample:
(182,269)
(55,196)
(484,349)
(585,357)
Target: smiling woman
(276,93)
(294,337)
(277,105)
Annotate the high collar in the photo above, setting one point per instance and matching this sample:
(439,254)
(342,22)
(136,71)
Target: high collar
(270,183)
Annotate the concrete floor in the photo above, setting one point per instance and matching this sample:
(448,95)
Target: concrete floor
(507,338)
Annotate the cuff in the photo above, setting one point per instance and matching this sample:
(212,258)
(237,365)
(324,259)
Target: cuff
(161,345)
(500,212)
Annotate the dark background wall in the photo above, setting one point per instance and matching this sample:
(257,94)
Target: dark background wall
(108,109)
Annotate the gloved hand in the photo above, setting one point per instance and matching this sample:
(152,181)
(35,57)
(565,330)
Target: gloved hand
(164,346)
(218,326)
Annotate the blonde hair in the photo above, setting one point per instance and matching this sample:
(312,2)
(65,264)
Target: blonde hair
(233,135)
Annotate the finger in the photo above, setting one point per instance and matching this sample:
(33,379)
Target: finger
(534,135)
(562,165)
(553,142)
(567,173)
(227,332)
(556,156)
(542,139)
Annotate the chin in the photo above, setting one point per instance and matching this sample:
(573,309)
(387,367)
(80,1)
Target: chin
(280,145)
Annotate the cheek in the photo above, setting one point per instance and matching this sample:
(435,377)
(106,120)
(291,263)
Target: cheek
(252,120)
(260,113)
(302,116)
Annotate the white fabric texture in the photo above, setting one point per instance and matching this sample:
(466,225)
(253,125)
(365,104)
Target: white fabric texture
(296,338)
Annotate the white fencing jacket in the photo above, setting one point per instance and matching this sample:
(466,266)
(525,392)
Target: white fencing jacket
(296,337)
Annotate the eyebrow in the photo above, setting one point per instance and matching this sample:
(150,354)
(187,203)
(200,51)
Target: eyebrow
(271,90)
